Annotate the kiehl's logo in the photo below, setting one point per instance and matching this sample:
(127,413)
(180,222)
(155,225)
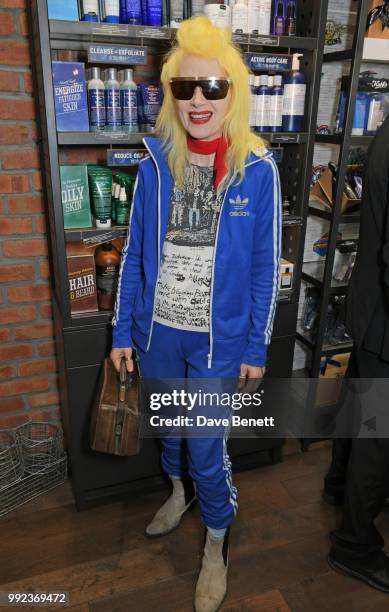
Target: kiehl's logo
(239,205)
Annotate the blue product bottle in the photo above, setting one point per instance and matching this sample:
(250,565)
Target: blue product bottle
(360,114)
(111,11)
(154,13)
(134,12)
(295,90)
(129,103)
(263,105)
(96,101)
(144,11)
(123,11)
(112,101)
(90,10)
(276,105)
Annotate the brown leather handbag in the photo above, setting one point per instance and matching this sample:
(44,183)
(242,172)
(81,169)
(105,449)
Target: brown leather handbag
(116,414)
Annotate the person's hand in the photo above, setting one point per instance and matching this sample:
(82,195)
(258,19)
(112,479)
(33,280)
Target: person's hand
(250,378)
(116,355)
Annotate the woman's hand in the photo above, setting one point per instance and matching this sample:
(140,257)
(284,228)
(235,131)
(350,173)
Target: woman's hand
(250,377)
(116,356)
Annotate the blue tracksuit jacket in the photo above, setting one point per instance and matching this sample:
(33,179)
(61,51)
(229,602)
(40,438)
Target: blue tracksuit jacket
(245,275)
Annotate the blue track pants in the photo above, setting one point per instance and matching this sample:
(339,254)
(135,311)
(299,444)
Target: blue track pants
(178,354)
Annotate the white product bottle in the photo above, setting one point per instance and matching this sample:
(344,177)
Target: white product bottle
(263,104)
(264,17)
(96,100)
(219,14)
(253,101)
(90,10)
(240,18)
(128,100)
(276,105)
(253,16)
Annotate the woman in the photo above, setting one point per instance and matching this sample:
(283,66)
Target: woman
(199,277)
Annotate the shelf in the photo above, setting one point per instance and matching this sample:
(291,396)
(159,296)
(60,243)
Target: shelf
(355,141)
(338,56)
(77,235)
(354,217)
(313,273)
(112,138)
(309,340)
(101,138)
(80,31)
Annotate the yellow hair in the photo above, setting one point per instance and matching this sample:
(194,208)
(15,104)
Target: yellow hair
(198,36)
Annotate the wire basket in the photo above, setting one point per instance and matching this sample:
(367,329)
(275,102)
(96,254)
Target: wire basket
(41,444)
(32,461)
(11,463)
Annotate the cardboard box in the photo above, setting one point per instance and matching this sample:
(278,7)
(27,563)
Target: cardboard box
(82,278)
(330,383)
(377,30)
(75,197)
(322,192)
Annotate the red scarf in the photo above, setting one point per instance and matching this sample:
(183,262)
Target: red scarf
(207,147)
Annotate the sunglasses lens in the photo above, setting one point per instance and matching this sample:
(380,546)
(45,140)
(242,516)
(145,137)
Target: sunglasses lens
(213,89)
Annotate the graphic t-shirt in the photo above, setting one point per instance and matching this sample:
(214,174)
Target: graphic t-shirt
(183,289)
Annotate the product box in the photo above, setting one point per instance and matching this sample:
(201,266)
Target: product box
(331,380)
(82,278)
(379,27)
(67,11)
(75,197)
(286,275)
(70,97)
(322,192)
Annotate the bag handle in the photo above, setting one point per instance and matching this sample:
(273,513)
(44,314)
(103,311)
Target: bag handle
(123,379)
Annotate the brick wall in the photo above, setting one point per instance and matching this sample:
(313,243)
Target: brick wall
(28,379)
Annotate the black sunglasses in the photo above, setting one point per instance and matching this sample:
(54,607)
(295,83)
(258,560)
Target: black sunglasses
(213,88)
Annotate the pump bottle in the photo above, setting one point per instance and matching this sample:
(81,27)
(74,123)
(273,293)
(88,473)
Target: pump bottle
(129,102)
(96,101)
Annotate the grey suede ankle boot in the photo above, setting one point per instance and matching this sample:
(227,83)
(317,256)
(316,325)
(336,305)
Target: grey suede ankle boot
(168,517)
(211,586)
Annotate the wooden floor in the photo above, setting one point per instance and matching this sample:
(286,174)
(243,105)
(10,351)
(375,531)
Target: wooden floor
(278,552)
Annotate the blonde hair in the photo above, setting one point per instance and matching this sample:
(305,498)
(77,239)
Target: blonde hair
(198,36)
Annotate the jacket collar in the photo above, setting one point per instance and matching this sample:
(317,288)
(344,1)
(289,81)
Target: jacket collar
(154,145)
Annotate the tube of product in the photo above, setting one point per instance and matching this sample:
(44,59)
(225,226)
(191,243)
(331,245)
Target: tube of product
(100,184)
(151,104)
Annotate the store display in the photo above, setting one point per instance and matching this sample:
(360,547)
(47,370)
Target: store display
(107,260)
(371,106)
(75,197)
(58,9)
(70,96)
(82,278)
(295,90)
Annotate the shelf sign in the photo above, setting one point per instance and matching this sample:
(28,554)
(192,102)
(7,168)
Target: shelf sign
(125,157)
(264,41)
(269,62)
(151,32)
(285,138)
(115,54)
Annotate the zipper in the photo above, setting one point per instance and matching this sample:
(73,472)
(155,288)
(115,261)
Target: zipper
(213,266)
(159,240)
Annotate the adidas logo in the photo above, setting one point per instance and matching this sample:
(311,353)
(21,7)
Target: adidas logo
(239,205)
